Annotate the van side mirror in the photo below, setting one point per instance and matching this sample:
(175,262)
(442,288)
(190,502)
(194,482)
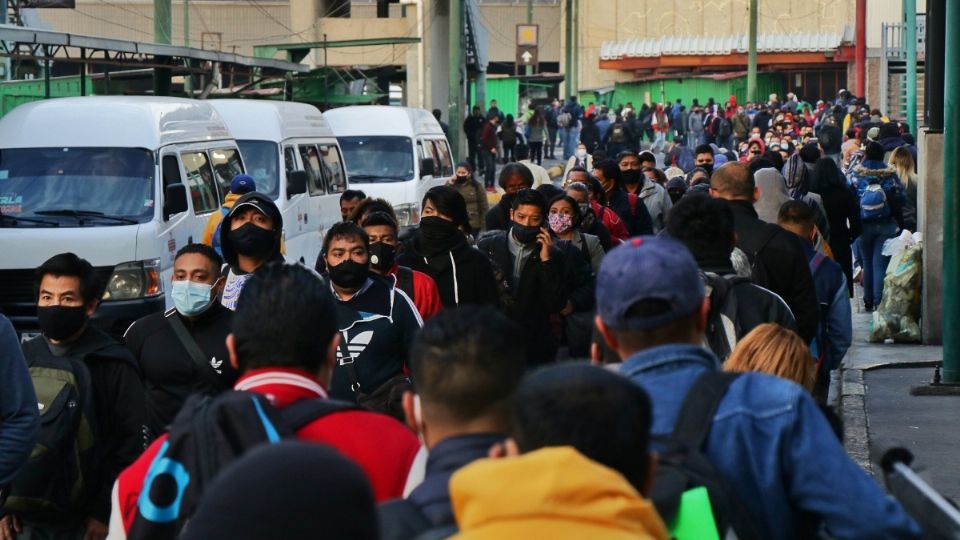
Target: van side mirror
(427,167)
(296,183)
(174,200)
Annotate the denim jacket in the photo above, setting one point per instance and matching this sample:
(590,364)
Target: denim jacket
(775,450)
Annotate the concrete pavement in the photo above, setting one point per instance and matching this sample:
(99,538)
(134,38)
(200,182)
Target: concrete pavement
(878,410)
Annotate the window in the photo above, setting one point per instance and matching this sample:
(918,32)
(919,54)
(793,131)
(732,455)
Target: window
(333,169)
(431,153)
(200,180)
(260,162)
(377,159)
(226,165)
(290,159)
(446,163)
(311,164)
(171,171)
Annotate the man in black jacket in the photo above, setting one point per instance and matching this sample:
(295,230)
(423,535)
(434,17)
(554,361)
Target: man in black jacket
(68,293)
(531,270)
(377,322)
(252,237)
(631,209)
(778,259)
(172,367)
(466,366)
(737,305)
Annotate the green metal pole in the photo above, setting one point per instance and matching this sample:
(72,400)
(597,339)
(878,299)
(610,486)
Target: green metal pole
(162,21)
(529,69)
(575,73)
(568,60)
(455,97)
(910,36)
(186,23)
(951,195)
(752,55)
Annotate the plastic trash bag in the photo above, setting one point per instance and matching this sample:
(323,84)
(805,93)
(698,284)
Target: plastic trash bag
(898,315)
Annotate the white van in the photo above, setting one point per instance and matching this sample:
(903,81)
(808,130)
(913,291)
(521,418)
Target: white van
(285,145)
(123,182)
(396,153)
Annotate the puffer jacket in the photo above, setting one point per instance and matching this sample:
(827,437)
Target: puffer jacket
(877,172)
(560,495)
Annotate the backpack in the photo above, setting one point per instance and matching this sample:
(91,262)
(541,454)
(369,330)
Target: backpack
(207,435)
(873,203)
(618,134)
(564,119)
(682,464)
(723,326)
(724,129)
(54,479)
(757,269)
(405,280)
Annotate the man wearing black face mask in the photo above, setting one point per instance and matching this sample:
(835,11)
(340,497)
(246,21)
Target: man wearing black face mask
(253,230)
(109,394)
(383,232)
(703,158)
(532,271)
(377,322)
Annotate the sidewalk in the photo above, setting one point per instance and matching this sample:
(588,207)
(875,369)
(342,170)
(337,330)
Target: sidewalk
(878,410)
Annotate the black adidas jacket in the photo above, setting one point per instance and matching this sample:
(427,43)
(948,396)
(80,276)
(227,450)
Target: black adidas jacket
(377,327)
(170,375)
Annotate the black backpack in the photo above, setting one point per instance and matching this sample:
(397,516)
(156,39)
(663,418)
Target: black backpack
(723,325)
(56,477)
(725,128)
(208,434)
(757,268)
(683,465)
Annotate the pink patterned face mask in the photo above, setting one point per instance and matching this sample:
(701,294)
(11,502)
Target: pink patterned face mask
(560,223)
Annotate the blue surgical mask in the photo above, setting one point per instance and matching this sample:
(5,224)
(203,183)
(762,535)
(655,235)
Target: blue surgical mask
(192,298)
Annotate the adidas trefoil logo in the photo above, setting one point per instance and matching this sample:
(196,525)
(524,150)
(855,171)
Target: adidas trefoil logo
(215,364)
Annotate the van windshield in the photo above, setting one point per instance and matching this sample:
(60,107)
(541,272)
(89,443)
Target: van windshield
(261,159)
(377,159)
(76,187)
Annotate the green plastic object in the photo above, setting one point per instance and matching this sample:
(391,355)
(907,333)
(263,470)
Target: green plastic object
(695,518)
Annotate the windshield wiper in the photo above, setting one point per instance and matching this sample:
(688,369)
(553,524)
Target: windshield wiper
(18,219)
(80,214)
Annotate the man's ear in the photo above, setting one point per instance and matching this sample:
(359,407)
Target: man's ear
(756,194)
(607,334)
(511,214)
(703,314)
(91,307)
(596,354)
(651,473)
(232,351)
(408,414)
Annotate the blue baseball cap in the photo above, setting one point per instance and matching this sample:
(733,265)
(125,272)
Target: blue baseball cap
(648,268)
(242,184)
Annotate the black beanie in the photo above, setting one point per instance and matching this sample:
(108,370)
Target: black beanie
(291,490)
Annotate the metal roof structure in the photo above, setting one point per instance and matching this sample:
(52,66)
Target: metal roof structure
(725,45)
(36,44)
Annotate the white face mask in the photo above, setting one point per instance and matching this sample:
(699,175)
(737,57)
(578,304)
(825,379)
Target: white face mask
(191,298)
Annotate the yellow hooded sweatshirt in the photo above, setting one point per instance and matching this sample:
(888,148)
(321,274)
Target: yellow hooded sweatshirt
(216,217)
(552,493)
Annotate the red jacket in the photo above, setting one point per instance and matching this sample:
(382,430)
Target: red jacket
(488,136)
(613,223)
(425,295)
(384,448)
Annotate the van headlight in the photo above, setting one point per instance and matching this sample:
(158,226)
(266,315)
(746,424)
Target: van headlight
(137,279)
(408,215)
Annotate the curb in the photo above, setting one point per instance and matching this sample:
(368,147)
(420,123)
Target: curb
(856,437)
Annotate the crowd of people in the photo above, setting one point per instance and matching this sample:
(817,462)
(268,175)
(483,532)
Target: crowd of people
(640,348)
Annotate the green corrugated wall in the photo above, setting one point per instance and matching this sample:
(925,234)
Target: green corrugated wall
(16,93)
(505,91)
(688,89)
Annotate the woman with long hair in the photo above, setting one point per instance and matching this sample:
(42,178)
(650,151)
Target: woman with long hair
(902,160)
(536,133)
(843,213)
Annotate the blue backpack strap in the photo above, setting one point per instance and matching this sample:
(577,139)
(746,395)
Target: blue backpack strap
(216,234)
(816,261)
